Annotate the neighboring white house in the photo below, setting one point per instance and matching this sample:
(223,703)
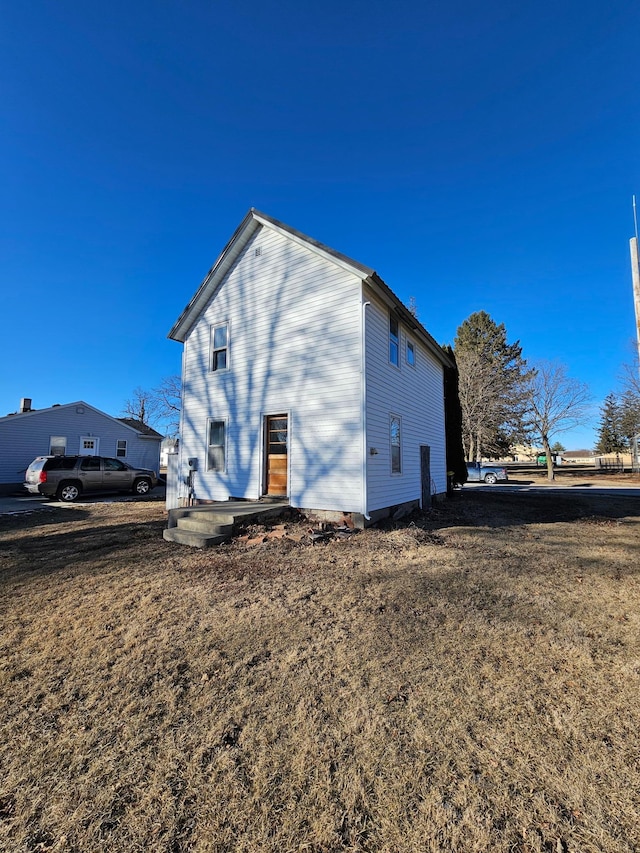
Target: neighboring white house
(305,376)
(72,428)
(168,447)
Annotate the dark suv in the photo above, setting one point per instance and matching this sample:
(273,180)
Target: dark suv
(67,477)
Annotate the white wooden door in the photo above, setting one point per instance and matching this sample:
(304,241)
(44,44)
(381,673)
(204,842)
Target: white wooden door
(89,445)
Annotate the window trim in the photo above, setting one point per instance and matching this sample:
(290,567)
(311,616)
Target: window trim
(410,345)
(393,417)
(224,423)
(394,340)
(119,455)
(213,349)
(60,441)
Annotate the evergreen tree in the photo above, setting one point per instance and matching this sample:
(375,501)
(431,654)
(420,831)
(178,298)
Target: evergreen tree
(453,423)
(629,414)
(610,437)
(492,382)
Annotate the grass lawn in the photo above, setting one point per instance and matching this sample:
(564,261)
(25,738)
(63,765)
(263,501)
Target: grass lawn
(466,681)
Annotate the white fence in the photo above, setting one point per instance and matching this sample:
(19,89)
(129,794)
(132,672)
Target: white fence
(173,483)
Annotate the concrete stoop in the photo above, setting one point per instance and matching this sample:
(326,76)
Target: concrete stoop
(212,524)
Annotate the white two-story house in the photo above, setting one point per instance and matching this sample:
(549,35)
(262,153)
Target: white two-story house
(305,377)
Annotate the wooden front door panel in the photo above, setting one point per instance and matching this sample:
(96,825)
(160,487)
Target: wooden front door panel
(277,437)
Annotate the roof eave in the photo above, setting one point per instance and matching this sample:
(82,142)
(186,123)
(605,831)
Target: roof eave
(378,285)
(193,309)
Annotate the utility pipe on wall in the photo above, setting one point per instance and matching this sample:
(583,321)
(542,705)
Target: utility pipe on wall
(365,511)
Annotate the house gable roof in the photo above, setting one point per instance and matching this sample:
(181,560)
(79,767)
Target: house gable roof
(140,429)
(144,430)
(247,228)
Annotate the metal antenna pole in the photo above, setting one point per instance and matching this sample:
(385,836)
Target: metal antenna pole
(635,274)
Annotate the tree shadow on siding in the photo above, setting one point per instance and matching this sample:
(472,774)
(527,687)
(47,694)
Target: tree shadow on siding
(275,374)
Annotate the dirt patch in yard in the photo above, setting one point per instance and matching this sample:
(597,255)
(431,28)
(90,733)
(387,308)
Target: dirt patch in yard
(465,681)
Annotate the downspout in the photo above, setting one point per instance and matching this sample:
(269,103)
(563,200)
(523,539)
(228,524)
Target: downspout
(184,480)
(363,353)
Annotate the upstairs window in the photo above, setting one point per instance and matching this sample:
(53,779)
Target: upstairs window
(395,440)
(394,341)
(411,354)
(121,447)
(220,347)
(216,444)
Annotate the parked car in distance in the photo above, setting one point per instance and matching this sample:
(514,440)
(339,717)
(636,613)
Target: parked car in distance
(478,472)
(67,477)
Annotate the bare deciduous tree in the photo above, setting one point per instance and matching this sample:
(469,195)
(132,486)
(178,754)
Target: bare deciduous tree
(479,403)
(169,398)
(159,407)
(556,404)
(142,406)
(630,378)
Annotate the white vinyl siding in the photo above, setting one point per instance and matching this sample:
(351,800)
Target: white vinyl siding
(296,349)
(416,396)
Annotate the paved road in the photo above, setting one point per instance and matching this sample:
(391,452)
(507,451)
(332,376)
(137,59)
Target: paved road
(13,505)
(585,488)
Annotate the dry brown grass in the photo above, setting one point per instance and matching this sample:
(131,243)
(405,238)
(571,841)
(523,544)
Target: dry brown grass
(467,682)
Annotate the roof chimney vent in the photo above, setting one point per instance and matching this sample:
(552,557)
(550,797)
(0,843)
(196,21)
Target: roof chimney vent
(25,405)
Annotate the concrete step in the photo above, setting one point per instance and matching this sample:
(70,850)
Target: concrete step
(202,513)
(206,524)
(194,539)
(210,524)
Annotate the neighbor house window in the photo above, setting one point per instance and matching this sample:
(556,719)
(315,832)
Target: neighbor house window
(395,439)
(121,447)
(220,347)
(57,445)
(394,341)
(216,454)
(411,354)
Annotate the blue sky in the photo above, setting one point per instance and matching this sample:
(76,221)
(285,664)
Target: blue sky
(480,156)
